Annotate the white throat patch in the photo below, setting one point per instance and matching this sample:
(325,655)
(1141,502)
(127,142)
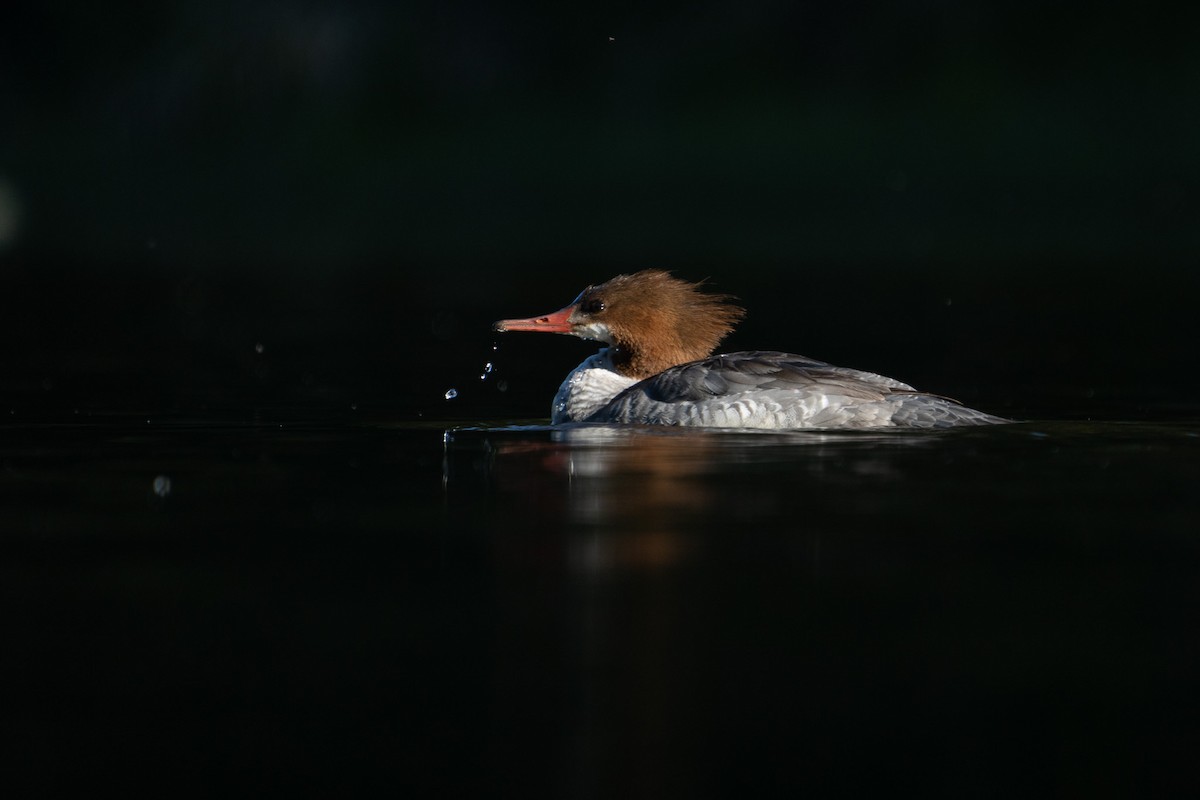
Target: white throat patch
(594,332)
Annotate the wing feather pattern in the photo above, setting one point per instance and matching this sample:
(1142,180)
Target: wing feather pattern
(780,390)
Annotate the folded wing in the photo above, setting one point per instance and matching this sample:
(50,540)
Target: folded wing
(762,389)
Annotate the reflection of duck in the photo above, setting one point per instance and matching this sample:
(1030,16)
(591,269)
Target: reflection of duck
(658,369)
(621,497)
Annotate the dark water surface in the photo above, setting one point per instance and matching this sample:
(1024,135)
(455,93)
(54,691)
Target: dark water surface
(599,612)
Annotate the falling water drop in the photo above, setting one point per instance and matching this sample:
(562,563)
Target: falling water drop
(451,394)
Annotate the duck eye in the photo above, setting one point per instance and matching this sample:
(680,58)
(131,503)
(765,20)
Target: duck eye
(592,306)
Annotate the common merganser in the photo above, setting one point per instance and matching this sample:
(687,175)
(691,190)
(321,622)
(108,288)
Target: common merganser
(657,369)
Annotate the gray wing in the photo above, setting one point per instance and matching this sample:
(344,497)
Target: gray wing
(763,370)
(781,390)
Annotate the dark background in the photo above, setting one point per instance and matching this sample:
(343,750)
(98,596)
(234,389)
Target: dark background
(220,216)
(994,201)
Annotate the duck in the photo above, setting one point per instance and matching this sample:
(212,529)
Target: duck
(658,367)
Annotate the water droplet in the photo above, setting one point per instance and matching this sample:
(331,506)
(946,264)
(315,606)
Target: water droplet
(258,347)
(354,406)
(451,394)
(162,486)
(502,385)
(489,367)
